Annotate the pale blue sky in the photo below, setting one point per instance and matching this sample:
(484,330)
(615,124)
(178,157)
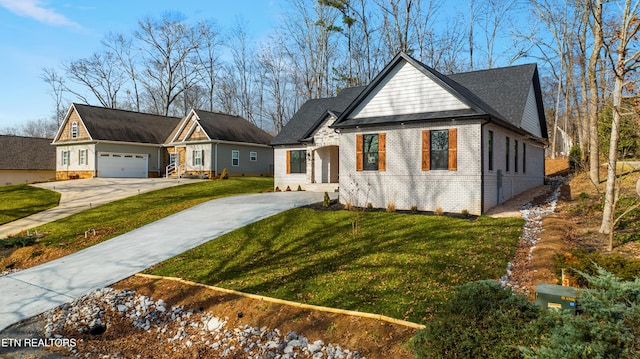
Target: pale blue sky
(43,33)
(35,34)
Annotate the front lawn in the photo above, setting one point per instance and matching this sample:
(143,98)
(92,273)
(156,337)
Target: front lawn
(399,265)
(115,218)
(21,200)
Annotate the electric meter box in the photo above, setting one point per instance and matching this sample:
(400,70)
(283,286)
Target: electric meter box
(553,296)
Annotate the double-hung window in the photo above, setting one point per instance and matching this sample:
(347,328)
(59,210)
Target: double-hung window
(515,155)
(440,150)
(371,152)
(297,161)
(82,157)
(490,150)
(198,157)
(506,153)
(235,158)
(253,156)
(74,129)
(65,158)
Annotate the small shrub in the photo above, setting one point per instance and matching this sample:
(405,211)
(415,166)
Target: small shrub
(575,158)
(369,205)
(224,174)
(482,320)
(438,211)
(326,201)
(414,209)
(465,212)
(299,188)
(391,207)
(583,196)
(15,242)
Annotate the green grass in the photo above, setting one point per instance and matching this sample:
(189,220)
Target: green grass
(115,218)
(399,265)
(19,201)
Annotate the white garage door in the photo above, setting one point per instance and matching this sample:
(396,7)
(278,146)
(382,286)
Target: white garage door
(122,165)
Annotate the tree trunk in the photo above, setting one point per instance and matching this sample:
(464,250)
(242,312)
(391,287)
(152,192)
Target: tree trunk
(594,151)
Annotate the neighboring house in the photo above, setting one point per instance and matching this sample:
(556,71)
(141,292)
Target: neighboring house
(26,160)
(415,138)
(101,142)
(207,142)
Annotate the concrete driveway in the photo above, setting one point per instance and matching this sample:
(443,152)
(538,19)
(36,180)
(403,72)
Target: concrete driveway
(38,289)
(79,195)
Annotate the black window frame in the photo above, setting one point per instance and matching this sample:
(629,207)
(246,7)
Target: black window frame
(515,156)
(298,161)
(370,151)
(506,153)
(439,157)
(490,145)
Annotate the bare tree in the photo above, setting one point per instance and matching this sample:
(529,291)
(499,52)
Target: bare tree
(624,59)
(243,66)
(122,48)
(57,89)
(595,8)
(169,65)
(277,82)
(100,74)
(310,47)
(209,59)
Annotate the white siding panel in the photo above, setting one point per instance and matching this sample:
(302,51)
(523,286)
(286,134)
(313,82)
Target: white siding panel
(406,90)
(530,118)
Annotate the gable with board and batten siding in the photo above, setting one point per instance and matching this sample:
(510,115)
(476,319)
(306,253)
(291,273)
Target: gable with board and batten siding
(406,90)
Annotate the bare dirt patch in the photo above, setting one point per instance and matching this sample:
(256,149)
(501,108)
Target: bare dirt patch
(371,338)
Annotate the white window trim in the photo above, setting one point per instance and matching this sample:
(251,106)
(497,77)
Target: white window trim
(82,159)
(253,156)
(74,129)
(235,155)
(197,155)
(66,156)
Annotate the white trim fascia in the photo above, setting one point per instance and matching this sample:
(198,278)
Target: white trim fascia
(185,120)
(95,142)
(196,124)
(185,143)
(66,120)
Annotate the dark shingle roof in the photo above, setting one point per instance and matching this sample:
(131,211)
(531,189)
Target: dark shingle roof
(26,153)
(504,89)
(500,93)
(125,126)
(311,114)
(220,126)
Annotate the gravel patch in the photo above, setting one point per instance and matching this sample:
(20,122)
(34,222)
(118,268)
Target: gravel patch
(532,215)
(104,312)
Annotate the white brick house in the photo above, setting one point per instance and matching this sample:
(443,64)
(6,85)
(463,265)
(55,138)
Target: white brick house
(417,138)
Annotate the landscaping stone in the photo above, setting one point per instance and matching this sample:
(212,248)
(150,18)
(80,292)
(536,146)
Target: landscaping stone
(179,328)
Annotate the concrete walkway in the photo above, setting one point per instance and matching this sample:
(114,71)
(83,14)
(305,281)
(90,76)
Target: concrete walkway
(82,194)
(33,291)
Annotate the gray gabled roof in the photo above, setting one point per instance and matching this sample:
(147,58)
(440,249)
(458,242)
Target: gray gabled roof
(499,94)
(26,153)
(311,115)
(505,89)
(220,126)
(125,126)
